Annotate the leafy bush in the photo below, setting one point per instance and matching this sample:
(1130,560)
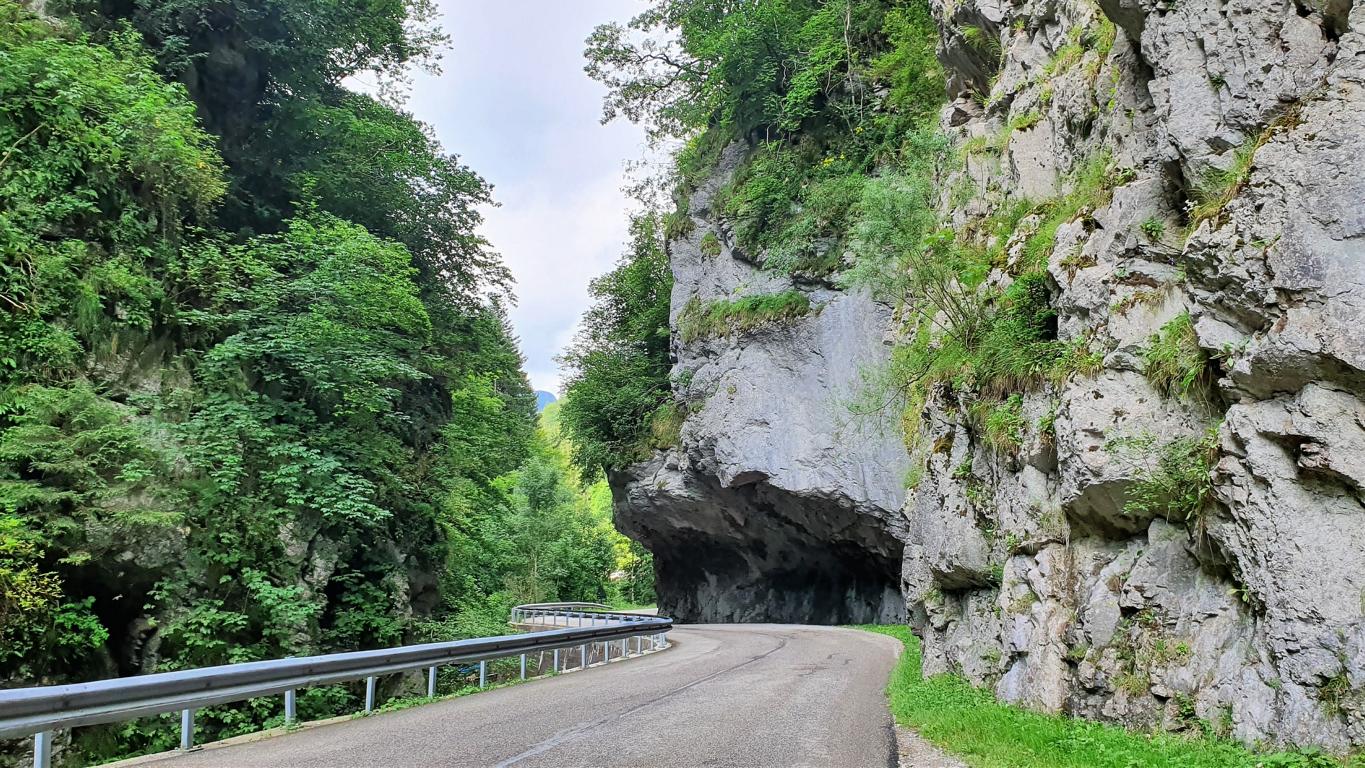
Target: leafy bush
(795,75)
(1153,228)
(762,68)
(910,64)
(89,130)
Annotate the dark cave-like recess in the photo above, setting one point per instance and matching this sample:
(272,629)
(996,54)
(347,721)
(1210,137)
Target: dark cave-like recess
(757,553)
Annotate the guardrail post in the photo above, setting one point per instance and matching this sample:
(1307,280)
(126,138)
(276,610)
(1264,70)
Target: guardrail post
(556,666)
(369,694)
(290,707)
(483,673)
(584,652)
(431,682)
(523,666)
(42,749)
(186,730)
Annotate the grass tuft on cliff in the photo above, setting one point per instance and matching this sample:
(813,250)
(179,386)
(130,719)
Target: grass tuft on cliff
(970,724)
(724,317)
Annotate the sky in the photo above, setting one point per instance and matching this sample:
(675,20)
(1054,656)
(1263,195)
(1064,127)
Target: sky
(514,103)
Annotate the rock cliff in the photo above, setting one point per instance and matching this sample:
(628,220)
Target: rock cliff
(1057,569)
(778,504)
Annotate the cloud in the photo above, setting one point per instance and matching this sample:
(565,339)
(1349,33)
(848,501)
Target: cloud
(514,103)
(555,240)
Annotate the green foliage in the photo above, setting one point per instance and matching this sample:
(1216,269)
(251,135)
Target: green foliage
(969,723)
(1092,183)
(1220,185)
(995,349)
(102,160)
(285,424)
(800,76)
(1174,362)
(412,191)
(631,562)
(33,614)
(1174,478)
(989,341)
(1064,58)
(1153,228)
(618,366)
(792,210)
(678,224)
(1002,422)
(723,317)
(910,64)
(284,109)
(710,244)
(895,218)
(1080,41)
(1025,121)
(699,155)
(1334,693)
(563,548)
(762,68)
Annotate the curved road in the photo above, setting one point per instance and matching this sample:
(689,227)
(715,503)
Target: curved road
(725,695)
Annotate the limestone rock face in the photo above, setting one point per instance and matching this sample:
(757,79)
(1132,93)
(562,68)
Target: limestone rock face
(780,504)
(1047,582)
(1055,571)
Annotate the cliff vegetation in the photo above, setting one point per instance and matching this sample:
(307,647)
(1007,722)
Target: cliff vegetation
(1104,276)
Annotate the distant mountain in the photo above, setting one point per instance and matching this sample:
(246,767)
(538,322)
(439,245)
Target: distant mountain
(543,399)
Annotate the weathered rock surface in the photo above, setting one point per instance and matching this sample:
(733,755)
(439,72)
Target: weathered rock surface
(1249,618)
(1031,570)
(779,505)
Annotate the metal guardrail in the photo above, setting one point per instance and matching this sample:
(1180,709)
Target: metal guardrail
(525,610)
(40,710)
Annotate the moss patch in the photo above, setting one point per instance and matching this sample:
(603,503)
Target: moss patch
(724,317)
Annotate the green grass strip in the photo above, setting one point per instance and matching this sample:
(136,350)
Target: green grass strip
(969,723)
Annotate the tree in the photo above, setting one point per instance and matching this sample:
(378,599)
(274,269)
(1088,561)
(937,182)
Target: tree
(764,69)
(618,367)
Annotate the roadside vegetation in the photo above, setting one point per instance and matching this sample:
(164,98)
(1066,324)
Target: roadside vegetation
(258,392)
(970,724)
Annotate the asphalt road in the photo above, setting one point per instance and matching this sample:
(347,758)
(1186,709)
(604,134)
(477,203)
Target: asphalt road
(725,695)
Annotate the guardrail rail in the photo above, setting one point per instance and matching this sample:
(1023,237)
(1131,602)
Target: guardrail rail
(590,629)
